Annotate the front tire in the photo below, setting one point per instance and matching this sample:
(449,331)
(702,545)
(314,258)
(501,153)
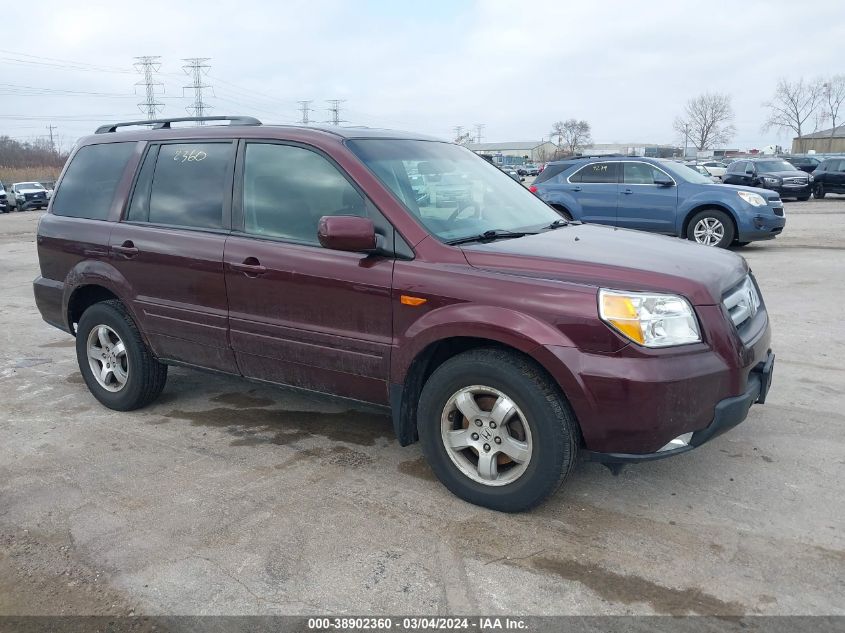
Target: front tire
(117,366)
(496,431)
(818,191)
(711,227)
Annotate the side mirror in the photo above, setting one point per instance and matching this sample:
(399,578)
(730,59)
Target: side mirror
(749,172)
(347,233)
(664,182)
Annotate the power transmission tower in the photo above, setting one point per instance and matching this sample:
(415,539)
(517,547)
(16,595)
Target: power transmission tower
(458,130)
(196,67)
(149,66)
(479,128)
(50,129)
(305,108)
(334,110)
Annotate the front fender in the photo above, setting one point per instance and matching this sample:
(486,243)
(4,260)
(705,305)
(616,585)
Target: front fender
(503,325)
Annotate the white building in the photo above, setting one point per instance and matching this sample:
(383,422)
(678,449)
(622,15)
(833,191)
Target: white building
(516,153)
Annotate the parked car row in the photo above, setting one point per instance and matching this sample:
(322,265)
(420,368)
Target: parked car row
(23,196)
(660,196)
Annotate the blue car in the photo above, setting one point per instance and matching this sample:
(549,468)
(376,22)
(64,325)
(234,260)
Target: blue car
(660,196)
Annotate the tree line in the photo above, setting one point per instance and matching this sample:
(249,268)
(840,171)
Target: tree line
(37,153)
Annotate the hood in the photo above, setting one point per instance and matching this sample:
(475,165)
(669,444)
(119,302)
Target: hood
(766,193)
(31,190)
(620,259)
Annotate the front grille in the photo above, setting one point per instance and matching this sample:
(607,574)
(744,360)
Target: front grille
(795,181)
(742,302)
(34,196)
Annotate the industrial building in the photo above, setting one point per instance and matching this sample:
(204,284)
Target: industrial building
(516,153)
(830,141)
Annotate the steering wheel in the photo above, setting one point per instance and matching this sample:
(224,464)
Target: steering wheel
(463,206)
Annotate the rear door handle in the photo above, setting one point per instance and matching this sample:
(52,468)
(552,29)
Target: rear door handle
(627,192)
(250,267)
(126,250)
(576,188)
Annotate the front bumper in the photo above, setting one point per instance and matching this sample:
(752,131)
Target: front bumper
(729,413)
(793,192)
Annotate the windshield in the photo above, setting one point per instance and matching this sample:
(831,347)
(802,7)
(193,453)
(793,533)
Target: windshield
(29,185)
(774,165)
(685,173)
(453,192)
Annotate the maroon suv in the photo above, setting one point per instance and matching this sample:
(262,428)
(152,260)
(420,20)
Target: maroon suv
(403,271)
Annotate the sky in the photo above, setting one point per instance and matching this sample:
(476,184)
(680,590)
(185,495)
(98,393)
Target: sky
(426,66)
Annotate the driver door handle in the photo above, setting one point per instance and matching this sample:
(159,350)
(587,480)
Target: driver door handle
(627,192)
(250,267)
(576,188)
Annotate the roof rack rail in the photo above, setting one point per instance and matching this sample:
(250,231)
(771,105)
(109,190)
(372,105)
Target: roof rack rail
(164,124)
(580,156)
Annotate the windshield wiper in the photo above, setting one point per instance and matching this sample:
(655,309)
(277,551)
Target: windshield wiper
(556,224)
(489,236)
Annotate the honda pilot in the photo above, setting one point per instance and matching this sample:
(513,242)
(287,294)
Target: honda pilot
(504,338)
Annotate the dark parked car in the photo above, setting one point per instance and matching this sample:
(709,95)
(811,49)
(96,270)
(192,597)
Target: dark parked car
(660,196)
(770,173)
(502,337)
(804,163)
(829,177)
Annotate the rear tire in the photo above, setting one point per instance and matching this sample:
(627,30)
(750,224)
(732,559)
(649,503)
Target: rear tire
(512,465)
(818,191)
(711,227)
(108,342)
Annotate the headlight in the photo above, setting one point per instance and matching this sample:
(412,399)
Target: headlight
(811,178)
(754,199)
(771,181)
(652,320)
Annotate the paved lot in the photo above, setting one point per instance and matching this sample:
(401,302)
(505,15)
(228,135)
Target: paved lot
(226,497)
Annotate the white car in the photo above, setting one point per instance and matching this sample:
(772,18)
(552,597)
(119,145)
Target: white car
(27,195)
(714,169)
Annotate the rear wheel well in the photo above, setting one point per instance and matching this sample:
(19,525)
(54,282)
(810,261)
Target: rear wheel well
(708,207)
(405,397)
(83,298)
(562,209)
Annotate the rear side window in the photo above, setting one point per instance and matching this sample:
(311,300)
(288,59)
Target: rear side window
(91,179)
(550,172)
(597,173)
(184,184)
(641,174)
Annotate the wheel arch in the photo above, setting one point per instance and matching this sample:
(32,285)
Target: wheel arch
(705,207)
(90,282)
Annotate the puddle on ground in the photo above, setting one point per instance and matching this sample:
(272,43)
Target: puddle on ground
(615,588)
(418,468)
(241,399)
(253,426)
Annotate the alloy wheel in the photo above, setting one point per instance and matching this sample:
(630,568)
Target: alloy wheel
(709,231)
(107,358)
(486,435)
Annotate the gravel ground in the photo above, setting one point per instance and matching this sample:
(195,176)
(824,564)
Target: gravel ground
(229,498)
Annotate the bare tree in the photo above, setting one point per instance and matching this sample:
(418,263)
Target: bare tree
(793,103)
(572,135)
(707,120)
(833,96)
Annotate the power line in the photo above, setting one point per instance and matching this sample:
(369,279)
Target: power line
(304,108)
(50,129)
(334,111)
(196,67)
(149,65)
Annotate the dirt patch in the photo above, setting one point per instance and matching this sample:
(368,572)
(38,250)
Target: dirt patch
(43,574)
(629,589)
(418,468)
(253,426)
(68,342)
(74,379)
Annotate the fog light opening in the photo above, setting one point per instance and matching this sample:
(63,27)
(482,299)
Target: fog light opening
(679,442)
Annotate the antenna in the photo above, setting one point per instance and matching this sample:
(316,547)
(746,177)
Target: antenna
(196,67)
(305,108)
(334,110)
(149,66)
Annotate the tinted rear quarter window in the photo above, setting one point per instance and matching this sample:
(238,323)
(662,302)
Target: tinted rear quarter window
(91,179)
(550,172)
